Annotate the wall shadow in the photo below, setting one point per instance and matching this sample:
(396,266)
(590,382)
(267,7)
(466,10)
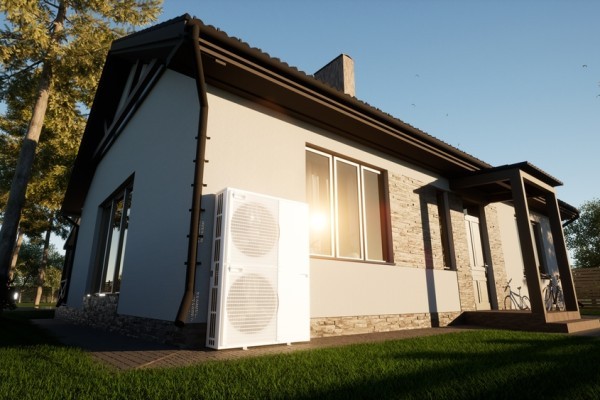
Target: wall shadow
(427,196)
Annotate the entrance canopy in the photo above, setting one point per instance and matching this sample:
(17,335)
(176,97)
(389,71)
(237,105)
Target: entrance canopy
(527,188)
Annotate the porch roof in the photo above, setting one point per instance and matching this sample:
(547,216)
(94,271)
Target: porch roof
(493,185)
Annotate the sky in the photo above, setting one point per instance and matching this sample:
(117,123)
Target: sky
(505,81)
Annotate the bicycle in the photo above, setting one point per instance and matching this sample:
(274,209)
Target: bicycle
(553,294)
(514,300)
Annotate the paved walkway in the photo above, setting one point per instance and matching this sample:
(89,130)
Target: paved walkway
(125,353)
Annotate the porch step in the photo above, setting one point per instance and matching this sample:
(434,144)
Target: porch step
(576,325)
(559,316)
(559,322)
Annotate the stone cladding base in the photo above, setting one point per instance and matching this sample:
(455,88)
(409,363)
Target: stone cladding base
(101,312)
(336,326)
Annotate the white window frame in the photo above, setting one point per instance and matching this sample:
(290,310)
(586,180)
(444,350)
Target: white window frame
(334,207)
(106,217)
(359,198)
(365,242)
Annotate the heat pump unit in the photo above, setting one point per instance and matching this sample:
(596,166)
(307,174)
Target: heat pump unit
(259,283)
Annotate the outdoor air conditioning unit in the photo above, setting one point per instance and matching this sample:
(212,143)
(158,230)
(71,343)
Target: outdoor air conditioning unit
(259,284)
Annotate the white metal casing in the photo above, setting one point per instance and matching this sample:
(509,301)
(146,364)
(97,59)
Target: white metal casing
(259,283)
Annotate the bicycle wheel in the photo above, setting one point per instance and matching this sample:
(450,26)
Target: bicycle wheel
(560,300)
(526,304)
(547,298)
(508,305)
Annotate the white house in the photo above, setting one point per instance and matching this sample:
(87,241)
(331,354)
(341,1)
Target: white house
(385,226)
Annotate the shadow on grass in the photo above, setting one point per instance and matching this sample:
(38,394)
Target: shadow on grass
(469,365)
(16,328)
(566,367)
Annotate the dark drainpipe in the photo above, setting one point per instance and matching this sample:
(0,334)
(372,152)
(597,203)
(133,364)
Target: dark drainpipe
(196,210)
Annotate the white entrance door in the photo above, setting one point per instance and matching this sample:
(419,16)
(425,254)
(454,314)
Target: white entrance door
(478,266)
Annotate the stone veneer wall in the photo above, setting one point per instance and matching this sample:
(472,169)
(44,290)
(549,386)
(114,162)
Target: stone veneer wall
(463,268)
(101,312)
(336,326)
(466,290)
(497,262)
(416,232)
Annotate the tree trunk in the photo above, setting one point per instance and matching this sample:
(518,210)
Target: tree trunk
(15,255)
(43,265)
(18,188)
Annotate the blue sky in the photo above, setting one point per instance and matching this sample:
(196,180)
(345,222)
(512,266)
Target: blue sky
(506,81)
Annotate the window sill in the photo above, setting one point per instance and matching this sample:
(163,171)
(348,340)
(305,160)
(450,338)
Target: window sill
(352,260)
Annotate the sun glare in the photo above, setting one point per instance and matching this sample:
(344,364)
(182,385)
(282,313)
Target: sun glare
(318,221)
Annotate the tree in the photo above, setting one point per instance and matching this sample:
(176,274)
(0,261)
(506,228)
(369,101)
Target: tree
(49,175)
(26,273)
(583,236)
(51,56)
(30,256)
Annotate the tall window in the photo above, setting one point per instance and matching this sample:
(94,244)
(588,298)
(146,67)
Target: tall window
(114,226)
(347,208)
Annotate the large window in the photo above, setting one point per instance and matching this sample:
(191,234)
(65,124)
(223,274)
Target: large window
(347,208)
(113,231)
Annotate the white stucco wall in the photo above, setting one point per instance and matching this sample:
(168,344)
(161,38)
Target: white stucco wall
(251,148)
(157,145)
(511,248)
(340,288)
(257,149)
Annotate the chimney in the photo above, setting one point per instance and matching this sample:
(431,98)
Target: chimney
(339,73)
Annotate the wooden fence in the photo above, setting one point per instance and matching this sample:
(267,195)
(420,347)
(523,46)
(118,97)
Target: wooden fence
(587,285)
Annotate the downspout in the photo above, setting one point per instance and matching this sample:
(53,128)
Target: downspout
(196,210)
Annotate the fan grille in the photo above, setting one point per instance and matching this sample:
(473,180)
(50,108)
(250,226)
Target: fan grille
(254,231)
(251,303)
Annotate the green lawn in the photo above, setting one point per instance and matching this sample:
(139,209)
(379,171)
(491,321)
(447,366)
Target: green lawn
(472,364)
(589,311)
(30,305)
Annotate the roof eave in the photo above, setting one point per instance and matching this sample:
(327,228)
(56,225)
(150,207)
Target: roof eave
(154,42)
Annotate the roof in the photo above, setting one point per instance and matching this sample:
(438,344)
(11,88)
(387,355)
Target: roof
(232,64)
(532,170)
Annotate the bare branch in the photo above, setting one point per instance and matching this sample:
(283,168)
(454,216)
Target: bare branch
(25,69)
(51,4)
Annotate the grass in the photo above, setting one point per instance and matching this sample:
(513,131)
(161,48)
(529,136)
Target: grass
(30,305)
(471,365)
(589,311)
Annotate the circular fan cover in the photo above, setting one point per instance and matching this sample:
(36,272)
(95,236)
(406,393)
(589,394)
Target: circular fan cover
(251,303)
(254,230)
